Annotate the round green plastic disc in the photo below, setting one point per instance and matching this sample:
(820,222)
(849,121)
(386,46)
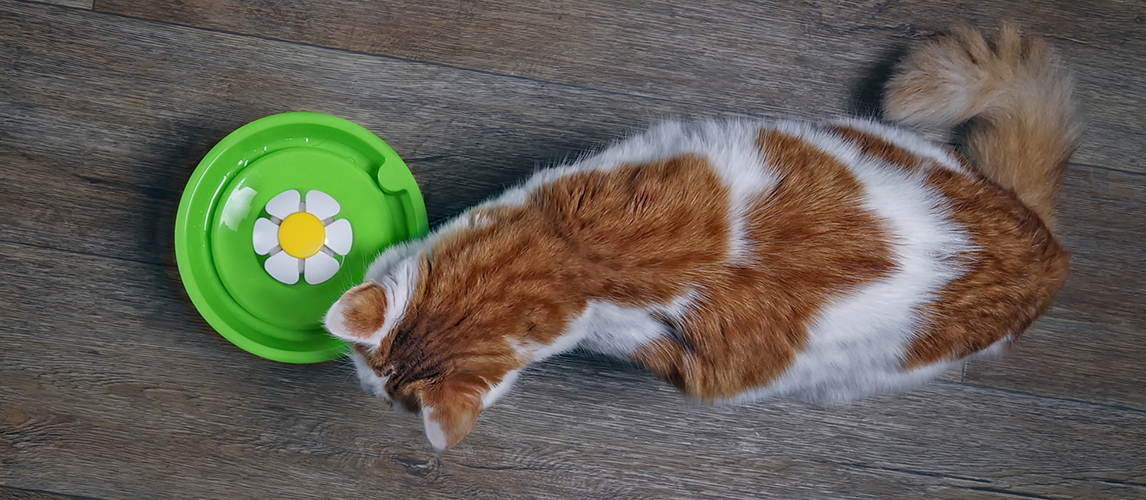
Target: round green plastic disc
(283,216)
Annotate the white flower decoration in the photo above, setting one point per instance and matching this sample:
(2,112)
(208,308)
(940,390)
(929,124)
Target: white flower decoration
(302,237)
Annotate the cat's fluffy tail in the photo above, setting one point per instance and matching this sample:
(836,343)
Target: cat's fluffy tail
(1023,126)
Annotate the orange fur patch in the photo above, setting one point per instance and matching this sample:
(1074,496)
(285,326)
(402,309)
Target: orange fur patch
(1010,278)
(813,240)
(456,404)
(1022,155)
(641,233)
(874,146)
(365,309)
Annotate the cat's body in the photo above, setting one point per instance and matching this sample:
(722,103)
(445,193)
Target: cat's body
(740,259)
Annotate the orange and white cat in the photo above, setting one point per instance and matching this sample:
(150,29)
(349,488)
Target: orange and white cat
(745,259)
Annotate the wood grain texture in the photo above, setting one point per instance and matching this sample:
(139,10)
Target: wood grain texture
(7,493)
(165,407)
(79,4)
(111,386)
(775,56)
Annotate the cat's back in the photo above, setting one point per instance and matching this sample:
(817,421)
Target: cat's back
(824,260)
(903,258)
(741,259)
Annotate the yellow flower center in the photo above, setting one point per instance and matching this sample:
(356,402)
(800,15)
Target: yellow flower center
(301,235)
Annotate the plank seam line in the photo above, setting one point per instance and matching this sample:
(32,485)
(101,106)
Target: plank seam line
(1108,169)
(1112,482)
(431,63)
(58,6)
(1055,398)
(903,471)
(1004,492)
(80,252)
(46,492)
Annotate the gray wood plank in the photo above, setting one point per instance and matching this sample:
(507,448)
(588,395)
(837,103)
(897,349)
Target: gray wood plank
(112,388)
(104,118)
(774,57)
(84,94)
(8,493)
(79,4)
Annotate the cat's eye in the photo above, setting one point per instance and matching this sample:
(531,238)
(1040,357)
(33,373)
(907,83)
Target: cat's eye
(388,371)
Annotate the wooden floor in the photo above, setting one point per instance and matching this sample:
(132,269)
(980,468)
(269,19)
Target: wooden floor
(112,386)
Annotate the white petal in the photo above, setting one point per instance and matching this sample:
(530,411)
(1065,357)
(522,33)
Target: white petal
(339,237)
(321,205)
(320,268)
(266,235)
(283,204)
(281,266)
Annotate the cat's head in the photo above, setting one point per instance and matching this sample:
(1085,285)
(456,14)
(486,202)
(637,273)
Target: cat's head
(427,341)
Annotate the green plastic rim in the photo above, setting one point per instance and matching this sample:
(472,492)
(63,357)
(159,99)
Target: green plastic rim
(230,202)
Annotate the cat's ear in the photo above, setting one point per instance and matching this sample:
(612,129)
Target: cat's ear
(449,411)
(359,315)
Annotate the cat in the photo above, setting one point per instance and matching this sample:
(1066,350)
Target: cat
(743,259)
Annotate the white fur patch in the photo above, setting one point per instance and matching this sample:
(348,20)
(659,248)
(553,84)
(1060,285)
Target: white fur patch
(609,329)
(856,344)
(399,286)
(386,261)
(532,352)
(618,331)
(371,383)
(996,349)
(434,432)
(496,392)
(679,306)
